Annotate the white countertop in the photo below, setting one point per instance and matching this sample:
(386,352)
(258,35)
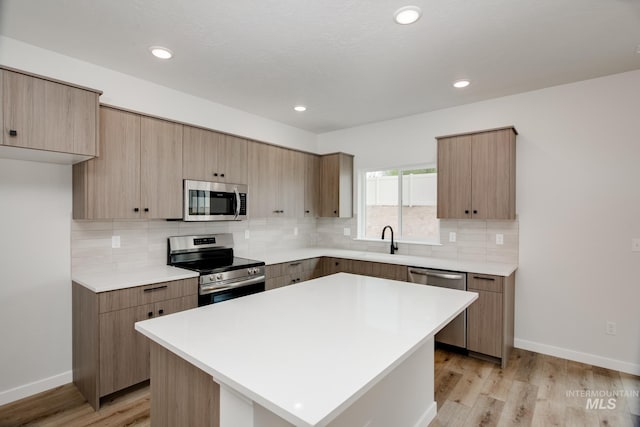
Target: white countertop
(496,269)
(111,280)
(308,351)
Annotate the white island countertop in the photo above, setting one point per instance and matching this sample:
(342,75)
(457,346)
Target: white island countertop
(307,352)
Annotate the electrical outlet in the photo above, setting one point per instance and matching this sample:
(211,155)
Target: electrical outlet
(295,231)
(452,236)
(115,242)
(246,234)
(347,231)
(611,328)
(499,239)
(635,245)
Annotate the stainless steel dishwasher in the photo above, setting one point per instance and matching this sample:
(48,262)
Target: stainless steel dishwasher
(455,333)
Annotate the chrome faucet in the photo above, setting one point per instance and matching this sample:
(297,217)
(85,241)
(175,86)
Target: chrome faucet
(394,247)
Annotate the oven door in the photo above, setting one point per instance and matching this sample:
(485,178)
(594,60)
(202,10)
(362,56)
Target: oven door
(217,293)
(213,201)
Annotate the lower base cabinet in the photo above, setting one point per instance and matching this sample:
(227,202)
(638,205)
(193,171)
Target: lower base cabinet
(289,273)
(365,268)
(108,354)
(490,319)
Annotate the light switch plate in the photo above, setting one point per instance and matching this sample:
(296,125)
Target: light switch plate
(499,239)
(295,231)
(115,242)
(246,234)
(635,245)
(347,231)
(452,236)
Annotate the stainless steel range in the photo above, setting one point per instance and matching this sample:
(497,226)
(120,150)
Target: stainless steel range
(222,275)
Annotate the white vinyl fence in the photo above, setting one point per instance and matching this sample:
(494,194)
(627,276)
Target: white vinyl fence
(417,190)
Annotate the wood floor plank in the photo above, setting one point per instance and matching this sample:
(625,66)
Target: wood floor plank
(486,412)
(631,385)
(452,414)
(445,382)
(548,413)
(500,380)
(579,417)
(579,379)
(610,383)
(615,419)
(474,374)
(520,406)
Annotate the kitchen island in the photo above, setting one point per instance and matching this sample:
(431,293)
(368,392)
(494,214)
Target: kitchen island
(342,350)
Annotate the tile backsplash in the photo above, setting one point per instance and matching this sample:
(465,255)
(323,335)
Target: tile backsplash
(144,242)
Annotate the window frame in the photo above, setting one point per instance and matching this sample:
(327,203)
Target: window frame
(362,203)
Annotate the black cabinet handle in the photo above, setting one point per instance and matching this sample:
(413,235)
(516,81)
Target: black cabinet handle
(335,212)
(161,312)
(146,209)
(215,174)
(307,211)
(13,132)
(293,264)
(337,263)
(222,175)
(475,211)
(466,211)
(136,209)
(484,278)
(156,288)
(150,314)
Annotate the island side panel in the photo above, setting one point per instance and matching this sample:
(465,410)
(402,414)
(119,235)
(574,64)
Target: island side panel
(405,397)
(181,394)
(85,350)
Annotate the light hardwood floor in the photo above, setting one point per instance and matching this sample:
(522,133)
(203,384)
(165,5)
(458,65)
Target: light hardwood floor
(531,391)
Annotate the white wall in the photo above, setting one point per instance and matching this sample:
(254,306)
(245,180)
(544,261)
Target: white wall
(578,174)
(35,278)
(136,94)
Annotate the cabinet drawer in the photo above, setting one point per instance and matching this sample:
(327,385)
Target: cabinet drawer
(131,297)
(484,282)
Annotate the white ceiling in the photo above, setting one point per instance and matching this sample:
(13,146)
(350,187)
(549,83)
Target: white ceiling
(345,59)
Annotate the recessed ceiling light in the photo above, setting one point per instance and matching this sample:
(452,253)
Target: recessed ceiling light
(300,108)
(461,83)
(161,52)
(407,15)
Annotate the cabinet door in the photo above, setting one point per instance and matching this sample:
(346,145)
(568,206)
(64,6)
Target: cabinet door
(329,185)
(48,116)
(4,130)
(454,177)
(199,153)
(160,168)
(311,185)
(484,316)
(264,172)
(124,353)
(115,175)
(291,194)
(491,183)
(232,160)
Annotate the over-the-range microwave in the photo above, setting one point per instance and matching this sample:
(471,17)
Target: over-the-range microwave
(214,201)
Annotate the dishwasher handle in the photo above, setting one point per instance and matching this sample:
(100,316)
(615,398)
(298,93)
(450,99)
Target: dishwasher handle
(448,276)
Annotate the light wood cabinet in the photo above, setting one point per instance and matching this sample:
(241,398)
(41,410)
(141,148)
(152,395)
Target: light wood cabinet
(290,273)
(476,175)
(311,185)
(276,181)
(365,268)
(108,354)
(336,185)
(213,156)
(490,319)
(44,114)
(139,171)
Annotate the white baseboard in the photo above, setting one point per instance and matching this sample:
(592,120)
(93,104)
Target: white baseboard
(578,356)
(428,416)
(35,387)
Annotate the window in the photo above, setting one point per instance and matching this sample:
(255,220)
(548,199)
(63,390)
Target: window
(402,198)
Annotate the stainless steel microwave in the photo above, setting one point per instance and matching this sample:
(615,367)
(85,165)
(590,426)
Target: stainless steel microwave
(214,201)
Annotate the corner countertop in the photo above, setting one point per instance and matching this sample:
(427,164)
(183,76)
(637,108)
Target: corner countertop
(322,344)
(110,280)
(492,268)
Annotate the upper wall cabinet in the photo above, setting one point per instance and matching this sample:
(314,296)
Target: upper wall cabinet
(139,171)
(311,185)
(276,181)
(213,156)
(336,185)
(42,114)
(477,174)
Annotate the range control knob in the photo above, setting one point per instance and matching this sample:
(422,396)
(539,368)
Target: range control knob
(250,271)
(218,276)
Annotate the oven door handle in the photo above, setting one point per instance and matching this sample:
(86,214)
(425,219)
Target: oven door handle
(238,201)
(209,289)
